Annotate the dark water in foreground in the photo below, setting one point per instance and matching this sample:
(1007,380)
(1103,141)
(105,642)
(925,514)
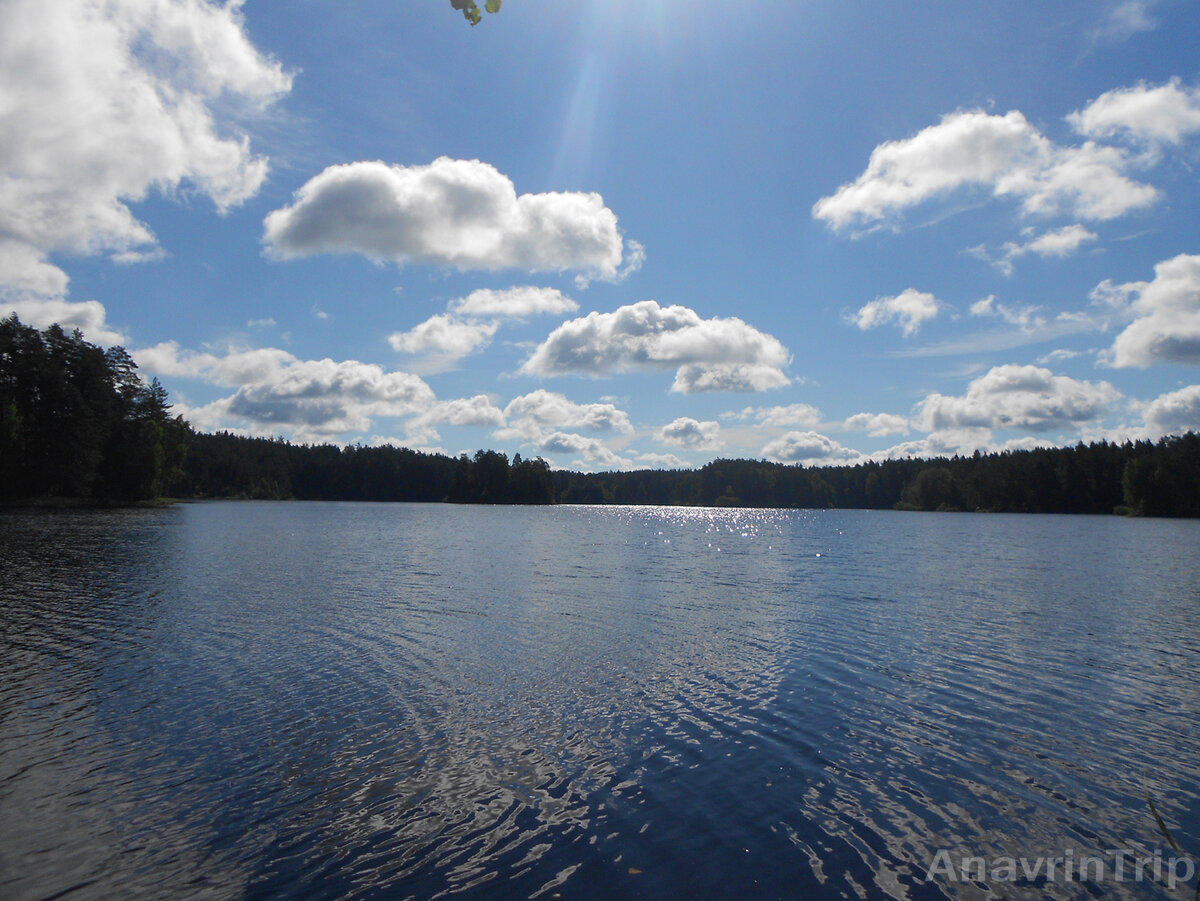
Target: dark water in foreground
(328,701)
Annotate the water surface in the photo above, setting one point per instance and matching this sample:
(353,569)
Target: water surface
(348,700)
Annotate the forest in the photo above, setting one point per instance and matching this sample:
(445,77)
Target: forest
(77,423)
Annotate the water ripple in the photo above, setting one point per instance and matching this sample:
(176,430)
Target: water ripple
(355,701)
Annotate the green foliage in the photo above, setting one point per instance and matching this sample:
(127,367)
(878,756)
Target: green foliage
(1160,479)
(226,465)
(77,421)
(1153,480)
(933,489)
(1163,479)
(470,9)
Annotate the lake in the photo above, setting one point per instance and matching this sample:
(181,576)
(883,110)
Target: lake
(303,700)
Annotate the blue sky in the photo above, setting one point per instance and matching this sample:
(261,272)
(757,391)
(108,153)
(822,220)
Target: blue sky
(620,234)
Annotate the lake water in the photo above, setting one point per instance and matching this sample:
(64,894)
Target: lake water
(292,700)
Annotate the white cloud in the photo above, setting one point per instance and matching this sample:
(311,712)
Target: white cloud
(1174,413)
(942,443)
(592,452)
(133,257)
(691,433)
(790,415)
(105,102)
(1125,19)
(532,416)
(412,442)
(277,391)
(1028,442)
(444,335)
(908,310)
(1035,330)
(809,448)
(1055,356)
(463,411)
(709,354)
(877,424)
(696,378)
(1003,154)
(88,316)
(1019,397)
(663,461)
(961,442)
(1167,310)
(329,397)
(231,369)
(1059,243)
(25,274)
(478,411)
(1023,317)
(462,213)
(473,321)
(514,303)
(635,257)
(1164,113)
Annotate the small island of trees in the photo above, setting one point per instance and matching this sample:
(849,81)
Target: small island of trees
(78,424)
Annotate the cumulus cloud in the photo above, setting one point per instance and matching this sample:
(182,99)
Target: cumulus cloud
(104,102)
(462,213)
(1019,397)
(785,416)
(1059,243)
(88,316)
(25,274)
(464,411)
(877,424)
(473,321)
(809,448)
(908,310)
(943,443)
(1164,114)
(540,417)
(1174,413)
(591,452)
(1005,155)
(514,303)
(534,415)
(276,390)
(708,354)
(444,335)
(231,369)
(478,411)
(1166,327)
(696,378)
(691,433)
(663,461)
(329,397)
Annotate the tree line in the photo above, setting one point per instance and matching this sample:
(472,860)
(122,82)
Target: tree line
(77,421)
(224,465)
(1138,478)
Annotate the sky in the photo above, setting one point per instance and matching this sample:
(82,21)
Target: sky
(620,234)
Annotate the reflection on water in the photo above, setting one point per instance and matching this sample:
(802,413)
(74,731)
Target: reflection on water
(321,700)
